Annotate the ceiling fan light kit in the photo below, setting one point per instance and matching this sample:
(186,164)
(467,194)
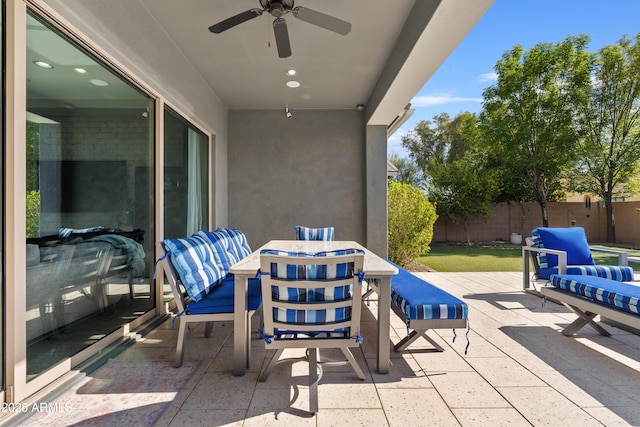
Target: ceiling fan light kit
(277,9)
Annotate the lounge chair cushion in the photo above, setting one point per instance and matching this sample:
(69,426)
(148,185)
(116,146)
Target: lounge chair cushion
(195,265)
(293,271)
(420,300)
(306,233)
(624,296)
(572,240)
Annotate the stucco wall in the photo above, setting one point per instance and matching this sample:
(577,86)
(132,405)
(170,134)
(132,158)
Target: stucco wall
(305,170)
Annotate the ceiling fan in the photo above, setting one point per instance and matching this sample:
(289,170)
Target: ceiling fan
(279,8)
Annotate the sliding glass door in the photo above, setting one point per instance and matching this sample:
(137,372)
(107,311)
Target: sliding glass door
(186,171)
(90,169)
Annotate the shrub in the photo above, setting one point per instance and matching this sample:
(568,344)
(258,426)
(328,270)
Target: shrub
(33,213)
(411,219)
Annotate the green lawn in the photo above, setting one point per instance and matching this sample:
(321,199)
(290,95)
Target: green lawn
(490,258)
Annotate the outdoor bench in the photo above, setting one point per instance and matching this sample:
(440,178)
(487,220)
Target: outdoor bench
(423,306)
(590,296)
(197,269)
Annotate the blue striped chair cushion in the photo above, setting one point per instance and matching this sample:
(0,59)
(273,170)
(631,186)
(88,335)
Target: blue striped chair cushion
(306,233)
(624,296)
(220,243)
(239,245)
(420,300)
(321,272)
(195,265)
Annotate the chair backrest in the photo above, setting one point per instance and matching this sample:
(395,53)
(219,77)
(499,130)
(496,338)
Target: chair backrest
(572,240)
(311,293)
(307,233)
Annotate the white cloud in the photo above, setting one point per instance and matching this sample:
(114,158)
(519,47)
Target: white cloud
(431,100)
(488,77)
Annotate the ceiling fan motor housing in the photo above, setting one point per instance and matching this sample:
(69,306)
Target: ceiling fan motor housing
(277,8)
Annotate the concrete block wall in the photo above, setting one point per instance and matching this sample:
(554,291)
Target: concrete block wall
(521,218)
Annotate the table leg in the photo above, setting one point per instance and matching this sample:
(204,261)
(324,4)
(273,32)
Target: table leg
(384,318)
(240,350)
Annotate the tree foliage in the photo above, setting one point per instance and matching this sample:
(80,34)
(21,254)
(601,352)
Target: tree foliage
(408,171)
(463,188)
(411,219)
(451,153)
(528,115)
(609,118)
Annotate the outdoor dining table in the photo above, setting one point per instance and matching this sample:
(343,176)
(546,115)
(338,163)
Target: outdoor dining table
(375,267)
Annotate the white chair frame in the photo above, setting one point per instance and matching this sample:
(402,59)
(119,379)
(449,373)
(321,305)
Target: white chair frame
(304,341)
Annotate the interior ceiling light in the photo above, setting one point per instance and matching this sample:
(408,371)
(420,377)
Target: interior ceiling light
(291,72)
(98,82)
(43,64)
(293,83)
(80,70)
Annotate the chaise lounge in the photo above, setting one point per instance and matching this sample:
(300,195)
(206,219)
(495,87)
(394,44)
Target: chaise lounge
(566,251)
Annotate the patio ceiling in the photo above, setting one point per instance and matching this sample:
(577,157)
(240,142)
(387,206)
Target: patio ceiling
(392,50)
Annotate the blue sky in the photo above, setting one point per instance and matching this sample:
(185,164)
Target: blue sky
(458,84)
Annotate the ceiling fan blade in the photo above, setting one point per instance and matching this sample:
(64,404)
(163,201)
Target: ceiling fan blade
(235,20)
(282,37)
(322,20)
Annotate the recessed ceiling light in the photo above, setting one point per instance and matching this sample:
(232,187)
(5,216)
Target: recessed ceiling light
(80,70)
(291,72)
(97,82)
(43,64)
(293,83)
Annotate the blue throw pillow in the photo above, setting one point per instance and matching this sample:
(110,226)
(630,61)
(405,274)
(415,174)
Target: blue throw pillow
(195,265)
(572,240)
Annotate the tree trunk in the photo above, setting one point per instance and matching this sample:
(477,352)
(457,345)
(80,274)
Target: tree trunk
(611,223)
(545,215)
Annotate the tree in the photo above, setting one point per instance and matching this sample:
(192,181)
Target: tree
(408,171)
(411,219)
(463,188)
(528,115)
(429,141)
(609,150)
(451,154)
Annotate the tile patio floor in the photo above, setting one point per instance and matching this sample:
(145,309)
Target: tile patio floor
(519,370)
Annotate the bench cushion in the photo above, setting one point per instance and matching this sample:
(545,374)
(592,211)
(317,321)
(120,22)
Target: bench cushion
(220,243)
(195,265)
(220,299)
(239,246)
(622,295)
(420,300)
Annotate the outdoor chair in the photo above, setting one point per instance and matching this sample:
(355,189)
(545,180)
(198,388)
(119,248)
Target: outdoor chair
(311,301)
(307,233)
(565,250)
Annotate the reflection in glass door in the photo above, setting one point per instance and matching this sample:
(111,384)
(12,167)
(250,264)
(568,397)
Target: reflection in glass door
(89,167)
(186,171)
